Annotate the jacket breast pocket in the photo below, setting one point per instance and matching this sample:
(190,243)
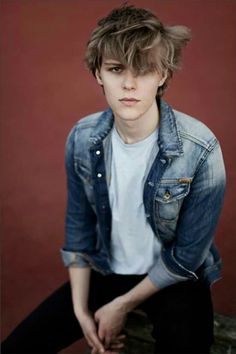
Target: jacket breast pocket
(169,197)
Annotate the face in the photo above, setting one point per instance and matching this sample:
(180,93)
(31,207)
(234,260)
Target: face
(130,97)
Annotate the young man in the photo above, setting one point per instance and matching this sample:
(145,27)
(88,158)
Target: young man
(145,191)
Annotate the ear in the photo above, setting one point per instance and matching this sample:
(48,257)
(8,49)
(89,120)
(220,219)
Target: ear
(98,77)
(163,79)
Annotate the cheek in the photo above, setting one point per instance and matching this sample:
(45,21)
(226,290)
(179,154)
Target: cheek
(110,97)
(150,87)
(110,90)
(151,92)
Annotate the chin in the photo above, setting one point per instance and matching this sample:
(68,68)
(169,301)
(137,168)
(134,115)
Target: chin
(128,116)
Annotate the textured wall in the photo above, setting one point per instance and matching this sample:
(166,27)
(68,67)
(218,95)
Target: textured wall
(45,89)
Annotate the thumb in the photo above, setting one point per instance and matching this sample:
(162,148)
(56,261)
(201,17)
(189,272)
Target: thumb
(96,317)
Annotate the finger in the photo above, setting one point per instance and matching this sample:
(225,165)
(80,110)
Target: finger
(117,341)
(96,344)
(96,316)
(90,344)
(101,334)
(121,336)
(108,340)
(117,346)
(96,351)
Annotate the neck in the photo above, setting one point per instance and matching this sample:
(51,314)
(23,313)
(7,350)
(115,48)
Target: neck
(132,131)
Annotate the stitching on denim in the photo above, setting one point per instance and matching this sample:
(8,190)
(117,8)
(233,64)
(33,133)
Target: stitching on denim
(209,146)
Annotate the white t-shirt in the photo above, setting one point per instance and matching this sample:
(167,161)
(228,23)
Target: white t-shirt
(133,243)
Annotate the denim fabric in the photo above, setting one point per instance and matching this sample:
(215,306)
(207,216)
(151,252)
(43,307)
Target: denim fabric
(183,196)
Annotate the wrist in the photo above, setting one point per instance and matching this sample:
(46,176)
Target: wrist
(130,300)
(81,312)
(126,304)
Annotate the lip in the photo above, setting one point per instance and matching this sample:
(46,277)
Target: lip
(129,101)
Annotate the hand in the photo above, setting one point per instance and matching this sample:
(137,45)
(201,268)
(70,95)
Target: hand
(111,319)
(115,346)
(89,329)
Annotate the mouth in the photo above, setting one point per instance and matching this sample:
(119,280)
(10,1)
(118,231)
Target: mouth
(129,101)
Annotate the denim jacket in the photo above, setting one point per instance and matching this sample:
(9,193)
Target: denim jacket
(183,196)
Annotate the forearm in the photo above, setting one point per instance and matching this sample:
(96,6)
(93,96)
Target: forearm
(80,282)
(138,294)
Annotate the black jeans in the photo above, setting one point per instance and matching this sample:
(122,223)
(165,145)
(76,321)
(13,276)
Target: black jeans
(181,314)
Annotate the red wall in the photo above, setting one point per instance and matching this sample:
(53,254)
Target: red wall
(45,89)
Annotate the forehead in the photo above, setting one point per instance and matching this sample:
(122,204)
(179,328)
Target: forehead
(110,61)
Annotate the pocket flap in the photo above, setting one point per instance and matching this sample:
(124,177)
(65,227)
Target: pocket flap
(168,192)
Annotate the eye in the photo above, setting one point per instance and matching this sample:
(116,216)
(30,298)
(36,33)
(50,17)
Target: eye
(116,69)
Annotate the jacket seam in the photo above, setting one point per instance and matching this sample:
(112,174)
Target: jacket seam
(175,275)
(83,123)
(199,141)
(205,155)
(181,266)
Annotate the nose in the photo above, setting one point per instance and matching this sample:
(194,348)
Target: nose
(129,81)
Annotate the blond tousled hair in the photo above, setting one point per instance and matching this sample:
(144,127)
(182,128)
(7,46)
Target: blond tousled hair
(139,40)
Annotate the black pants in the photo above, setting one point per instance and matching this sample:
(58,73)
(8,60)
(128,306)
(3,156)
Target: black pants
(181,314)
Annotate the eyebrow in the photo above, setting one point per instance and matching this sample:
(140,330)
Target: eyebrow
(112,63)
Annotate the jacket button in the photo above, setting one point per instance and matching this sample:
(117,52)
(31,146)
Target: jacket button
(99,175)
(163,161)
(167,195)
(98,152)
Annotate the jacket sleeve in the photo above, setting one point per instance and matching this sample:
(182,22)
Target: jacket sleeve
(197,223)
(80,218)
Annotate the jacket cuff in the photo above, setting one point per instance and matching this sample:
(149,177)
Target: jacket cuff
(73,259)
(162,277)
